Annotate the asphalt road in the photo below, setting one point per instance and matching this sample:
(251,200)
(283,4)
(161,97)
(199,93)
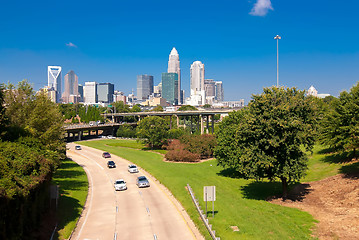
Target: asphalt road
(134,214)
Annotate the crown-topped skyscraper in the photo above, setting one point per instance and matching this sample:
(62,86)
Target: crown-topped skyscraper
(174,67)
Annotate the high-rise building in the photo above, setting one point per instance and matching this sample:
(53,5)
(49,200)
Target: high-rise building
(170,87)
(54,80)
(219,91)
(174,67)
(90,92)
(144,86)
(198,94)
(157,90)
(81,93)
(210,89)
(105,92)
(71,88)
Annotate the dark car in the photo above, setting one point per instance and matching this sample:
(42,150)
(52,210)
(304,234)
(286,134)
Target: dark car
(142,182)
(111,164)
(78,147)
(106,155)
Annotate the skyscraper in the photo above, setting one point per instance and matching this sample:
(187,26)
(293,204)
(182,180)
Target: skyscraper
(174,67)
(210,89)
(144,86)
(170,87)
(54,80)
(105,92)
(198,94)
(90,92)
(219,91)
(71,88)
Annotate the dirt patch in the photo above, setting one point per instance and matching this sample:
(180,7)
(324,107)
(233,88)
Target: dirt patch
(333,201)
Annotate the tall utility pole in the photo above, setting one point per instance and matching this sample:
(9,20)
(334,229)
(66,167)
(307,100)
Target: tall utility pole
(277,38)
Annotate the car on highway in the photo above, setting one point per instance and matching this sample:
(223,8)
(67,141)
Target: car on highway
(78,147)
(132,168)
(120,185)
(111,164)
(142,182)
(111,137)
(106,155)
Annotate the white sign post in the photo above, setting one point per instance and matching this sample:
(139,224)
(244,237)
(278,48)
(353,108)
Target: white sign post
(209,194)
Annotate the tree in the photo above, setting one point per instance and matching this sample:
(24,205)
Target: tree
(3,120)
(340,126)
(158,108)
(265,139)
(153,131)
(187,108)
(207,105)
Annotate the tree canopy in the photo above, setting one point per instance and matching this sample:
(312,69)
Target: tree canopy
(264,140)
(153,131)
(187,108)
(340,125)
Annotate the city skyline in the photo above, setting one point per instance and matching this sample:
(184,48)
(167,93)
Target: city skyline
(318,43)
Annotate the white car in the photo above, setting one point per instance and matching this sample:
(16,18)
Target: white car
(132,168)
(120,185)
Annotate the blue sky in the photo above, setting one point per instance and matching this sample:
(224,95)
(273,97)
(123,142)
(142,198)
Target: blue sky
(114,41)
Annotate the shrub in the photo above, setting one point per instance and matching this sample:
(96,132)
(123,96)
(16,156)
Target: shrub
(177,153)
(202,145)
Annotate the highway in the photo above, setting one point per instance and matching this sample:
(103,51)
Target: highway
(133,214)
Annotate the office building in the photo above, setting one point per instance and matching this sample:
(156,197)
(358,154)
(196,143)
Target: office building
(170,87)
(144,86)
(54,80)
(81,93)
(157,90)
(105,92)
(119,97)
(174,67)
(71,93)
(198,94)
(90,92)
(219,91)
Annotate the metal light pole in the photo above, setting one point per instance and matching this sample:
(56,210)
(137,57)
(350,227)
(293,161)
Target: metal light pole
(277,38)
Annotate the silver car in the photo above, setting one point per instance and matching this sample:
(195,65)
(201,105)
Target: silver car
(142,182)
(132,168)
(120,185)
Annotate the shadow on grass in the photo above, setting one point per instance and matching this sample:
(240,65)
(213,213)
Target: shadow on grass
(69,209)
(339,158)
(350,171)
(229,172)
(209,212)
(71,185)
(68,163)
(260,190)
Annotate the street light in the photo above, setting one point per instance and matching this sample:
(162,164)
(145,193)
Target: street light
(277,38)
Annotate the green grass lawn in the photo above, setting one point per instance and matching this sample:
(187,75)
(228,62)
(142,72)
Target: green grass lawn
(73,191)
(239,202)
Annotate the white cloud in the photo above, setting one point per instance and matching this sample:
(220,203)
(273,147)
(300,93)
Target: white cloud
(261,8)
(70,44)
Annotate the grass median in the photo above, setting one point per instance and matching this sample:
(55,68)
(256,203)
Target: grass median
(239,202)
(73,183)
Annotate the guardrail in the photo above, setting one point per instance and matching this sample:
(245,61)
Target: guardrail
(204,219)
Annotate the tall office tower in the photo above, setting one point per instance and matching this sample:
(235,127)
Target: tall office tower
(197,82)
(170,87)
(210,89)
(90,92)
(81,93)
(174,67)
(144,86)
(71,88)
(219,91)
(157,90)
(105,92)
(54,80)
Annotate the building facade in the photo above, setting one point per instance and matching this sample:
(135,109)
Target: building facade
(144,86)
(90,92)
(170,87)
(105,92)
(219,91)
(198,94)
(174,67)
(71,93)
(54,80)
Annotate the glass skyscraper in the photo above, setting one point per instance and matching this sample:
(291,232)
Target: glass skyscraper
(170,87)
(219,91)
(54,80)
(144,86)
(105,92)
(71,87)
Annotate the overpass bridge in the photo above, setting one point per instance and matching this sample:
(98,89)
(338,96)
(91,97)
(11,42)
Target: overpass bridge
(76,131)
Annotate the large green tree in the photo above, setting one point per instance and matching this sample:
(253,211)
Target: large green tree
(340,126)
(153,131)
(265,139)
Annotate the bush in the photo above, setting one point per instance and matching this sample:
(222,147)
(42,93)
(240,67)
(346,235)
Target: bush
(178,153)
(126,131)
(202,145)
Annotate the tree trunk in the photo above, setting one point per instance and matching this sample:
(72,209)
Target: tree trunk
(285,188)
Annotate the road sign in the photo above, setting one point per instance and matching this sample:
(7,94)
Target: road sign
(109,105)
(209,193)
